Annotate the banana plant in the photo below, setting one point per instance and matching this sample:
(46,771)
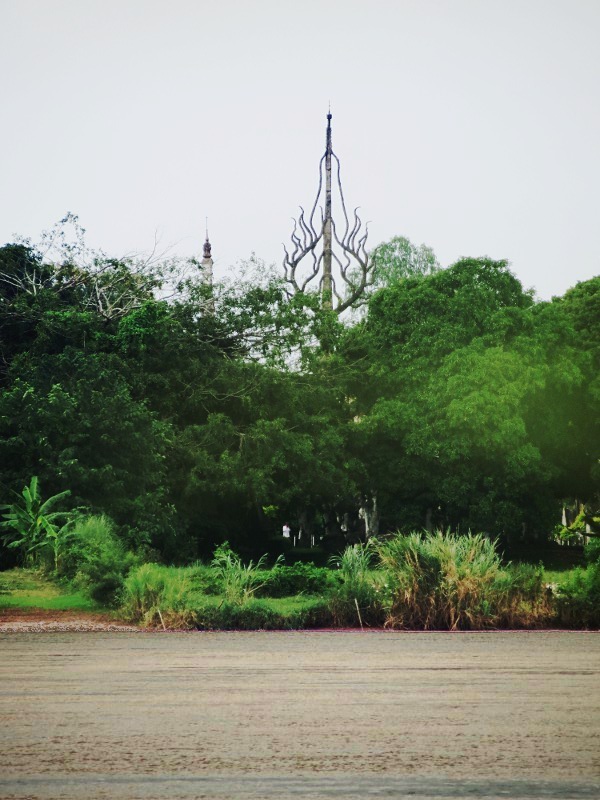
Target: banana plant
(31,524)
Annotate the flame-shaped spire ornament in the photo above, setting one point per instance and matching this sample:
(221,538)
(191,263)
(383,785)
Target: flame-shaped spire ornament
(343,275)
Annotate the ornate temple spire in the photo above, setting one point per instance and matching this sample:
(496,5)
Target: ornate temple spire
(343,275)
(327,225)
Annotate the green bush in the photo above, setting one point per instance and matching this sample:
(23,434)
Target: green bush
(592,551)
(156,594)
(451,582)
(300,578)
(253,615)
(524,580)
(204,579)
(259,615)
(97,560)
(578,597)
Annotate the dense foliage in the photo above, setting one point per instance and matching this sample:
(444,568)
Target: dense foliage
(190,416)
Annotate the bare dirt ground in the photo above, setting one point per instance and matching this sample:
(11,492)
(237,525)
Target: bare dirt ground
(307,714)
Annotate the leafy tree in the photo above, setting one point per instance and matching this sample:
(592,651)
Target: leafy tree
(442,421)
(581,305)
(398,259)
(184,411)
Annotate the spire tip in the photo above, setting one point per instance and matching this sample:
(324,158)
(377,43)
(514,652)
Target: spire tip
(206,252)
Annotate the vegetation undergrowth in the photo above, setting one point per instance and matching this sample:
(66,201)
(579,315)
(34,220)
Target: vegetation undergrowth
(162,413)
(97,560)
(302,578)
(578,592)
(418,581)
(265,614)
(358,598)
(451,582)
(31,588)
(153,593)
(239,581)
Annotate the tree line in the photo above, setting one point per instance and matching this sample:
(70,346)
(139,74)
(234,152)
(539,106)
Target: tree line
(194,414)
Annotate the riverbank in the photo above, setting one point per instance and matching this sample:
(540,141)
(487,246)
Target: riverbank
(400,593)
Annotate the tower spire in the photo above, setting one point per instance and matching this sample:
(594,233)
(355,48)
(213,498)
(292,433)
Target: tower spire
(327,243)
(206,253)
(207,262)
(341,269)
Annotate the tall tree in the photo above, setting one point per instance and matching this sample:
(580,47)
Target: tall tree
(442,419)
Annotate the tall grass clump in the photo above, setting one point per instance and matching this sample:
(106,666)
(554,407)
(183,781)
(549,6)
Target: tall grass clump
(238,581)
(453,582)
(357,599)
(158,595)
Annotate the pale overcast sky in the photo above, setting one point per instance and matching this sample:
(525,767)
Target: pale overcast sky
(470,125)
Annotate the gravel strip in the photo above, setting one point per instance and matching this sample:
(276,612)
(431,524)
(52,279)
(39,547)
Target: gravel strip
(55,626)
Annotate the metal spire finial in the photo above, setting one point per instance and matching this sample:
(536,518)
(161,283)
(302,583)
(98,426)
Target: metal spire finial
(351,267)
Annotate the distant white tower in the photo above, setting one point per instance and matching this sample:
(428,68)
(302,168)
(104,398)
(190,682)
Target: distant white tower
(207,262)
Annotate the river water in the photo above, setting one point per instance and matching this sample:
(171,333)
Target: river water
(299,715)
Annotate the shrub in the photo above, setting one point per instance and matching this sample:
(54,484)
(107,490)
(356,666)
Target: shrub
(300,578)
(155,594)
(592,551)
(259,615)
(578,598)
(527,580)
(204,579)
(97,559)
(450,582)
(253,615)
